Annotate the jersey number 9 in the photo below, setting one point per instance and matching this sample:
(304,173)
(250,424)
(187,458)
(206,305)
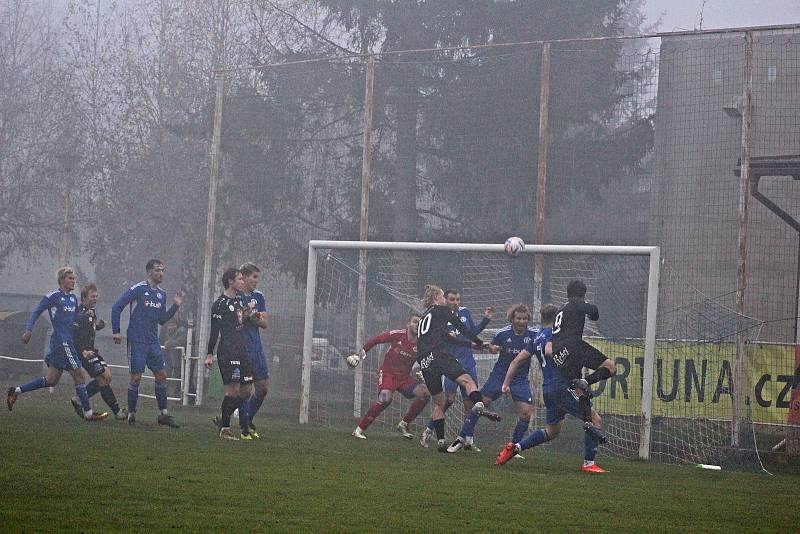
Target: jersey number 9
(557,322)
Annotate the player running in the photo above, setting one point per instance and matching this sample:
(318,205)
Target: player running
(464,355)
(83,329)
(436,360)
(394,374)
(254,299)
(62,356)
(228,319)
(559,399)
(509,341)
(148,310)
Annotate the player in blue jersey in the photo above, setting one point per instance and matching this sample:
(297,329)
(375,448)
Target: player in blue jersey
(463,353)
(559,399)
(254,299)
(62,356)
(148,309)
(509,341)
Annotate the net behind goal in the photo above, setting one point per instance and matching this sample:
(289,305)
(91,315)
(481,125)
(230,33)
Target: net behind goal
(623,281)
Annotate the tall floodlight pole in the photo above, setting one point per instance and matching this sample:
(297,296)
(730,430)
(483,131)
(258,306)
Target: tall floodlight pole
(205,288)
(366,178)
(541,174)
(741,260)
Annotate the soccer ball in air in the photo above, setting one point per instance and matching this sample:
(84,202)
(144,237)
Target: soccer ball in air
(514,245)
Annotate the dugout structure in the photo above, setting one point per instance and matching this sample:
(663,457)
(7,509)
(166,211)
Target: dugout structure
(346,304)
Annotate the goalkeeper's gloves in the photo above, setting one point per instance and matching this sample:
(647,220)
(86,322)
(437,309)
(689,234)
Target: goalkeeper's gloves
(354,359)
(580,384)
(479,344)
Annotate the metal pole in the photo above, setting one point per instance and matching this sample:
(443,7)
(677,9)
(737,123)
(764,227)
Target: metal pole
(741,261)
(187,362)
(366,174)
(541,173)
(649,352)
(308,334)
(797,299)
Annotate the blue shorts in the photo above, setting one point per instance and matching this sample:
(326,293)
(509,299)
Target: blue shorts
(451,387)
(258,363)
(562,402)
(141,354)
(520,389)
(63,357)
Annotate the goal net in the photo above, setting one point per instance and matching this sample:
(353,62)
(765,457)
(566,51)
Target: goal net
(671,398)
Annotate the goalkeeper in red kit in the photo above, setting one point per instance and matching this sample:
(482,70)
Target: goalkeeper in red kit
(394,374)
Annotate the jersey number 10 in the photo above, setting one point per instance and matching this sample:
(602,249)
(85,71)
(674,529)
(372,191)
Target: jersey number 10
(424,325)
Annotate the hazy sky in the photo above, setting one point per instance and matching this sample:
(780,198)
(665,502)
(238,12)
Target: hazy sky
(684,14)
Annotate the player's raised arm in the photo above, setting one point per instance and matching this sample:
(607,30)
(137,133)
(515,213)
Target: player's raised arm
(487,316)
(166,315)
(463,329)
(357,357)
(589,310)
(37,311)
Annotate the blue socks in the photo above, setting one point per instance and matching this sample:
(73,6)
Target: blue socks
(80,390)
(36,383)
(537,437)
(133,397)
(253,404)
(589,448)
(468,429)
(161,395)
(244,415)
(519,431)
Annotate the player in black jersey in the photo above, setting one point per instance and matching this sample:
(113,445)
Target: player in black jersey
(433,355)
(83,333)
(228,317)
(571,353)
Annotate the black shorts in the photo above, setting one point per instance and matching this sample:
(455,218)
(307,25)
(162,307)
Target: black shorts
(235,369)
(436,365)
(95,365)
(571,357)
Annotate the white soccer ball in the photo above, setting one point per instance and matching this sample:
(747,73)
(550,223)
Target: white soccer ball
(514,245)
(353,360)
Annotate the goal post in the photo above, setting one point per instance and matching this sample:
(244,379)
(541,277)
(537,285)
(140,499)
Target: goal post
(402,284)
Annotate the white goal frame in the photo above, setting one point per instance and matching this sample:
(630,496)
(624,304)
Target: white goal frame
(654,254)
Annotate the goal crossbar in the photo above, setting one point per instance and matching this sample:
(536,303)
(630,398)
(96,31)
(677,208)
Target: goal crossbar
(653,252)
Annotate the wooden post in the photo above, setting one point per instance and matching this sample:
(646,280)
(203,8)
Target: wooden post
(366,178)
(541,174)
(216,140)
(741,260)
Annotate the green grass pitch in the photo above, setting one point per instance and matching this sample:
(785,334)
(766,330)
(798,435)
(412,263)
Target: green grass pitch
(59,474)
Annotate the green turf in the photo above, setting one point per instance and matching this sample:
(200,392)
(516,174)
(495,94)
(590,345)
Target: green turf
(62,474)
